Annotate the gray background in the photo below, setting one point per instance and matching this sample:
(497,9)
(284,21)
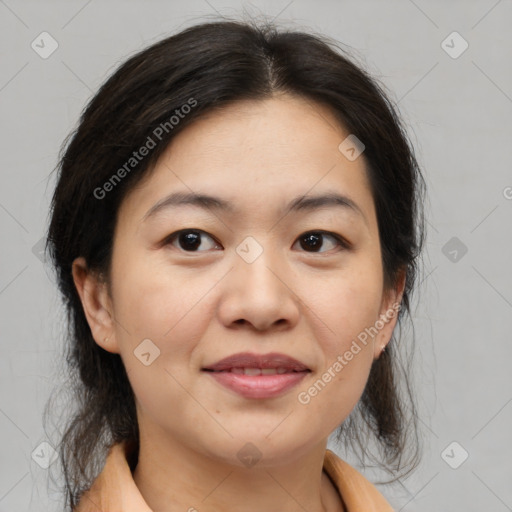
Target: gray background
(459,115)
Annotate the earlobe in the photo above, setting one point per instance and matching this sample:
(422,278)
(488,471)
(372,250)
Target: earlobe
(96,304)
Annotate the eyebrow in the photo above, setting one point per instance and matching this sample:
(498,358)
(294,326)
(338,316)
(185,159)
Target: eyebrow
(208,202)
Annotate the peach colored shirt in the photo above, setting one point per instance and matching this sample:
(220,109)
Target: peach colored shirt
(114,490)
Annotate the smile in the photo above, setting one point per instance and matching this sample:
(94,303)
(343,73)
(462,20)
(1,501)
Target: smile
(257,382)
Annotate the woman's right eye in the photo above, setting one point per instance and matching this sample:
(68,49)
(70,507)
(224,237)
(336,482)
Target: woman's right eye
(189,239)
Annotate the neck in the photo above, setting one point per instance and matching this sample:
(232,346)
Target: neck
(172,476)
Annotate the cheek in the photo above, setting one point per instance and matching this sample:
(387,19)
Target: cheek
(160,320)
(154,304)
(348,304)
(172,311)
(347,309)
(337,386)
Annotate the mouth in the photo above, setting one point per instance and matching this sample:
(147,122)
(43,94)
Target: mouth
(266,363)
(258,376)
(257,371)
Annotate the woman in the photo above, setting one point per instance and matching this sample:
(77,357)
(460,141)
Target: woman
(235,229)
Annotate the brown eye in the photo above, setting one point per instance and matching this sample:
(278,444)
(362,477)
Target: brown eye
(189,240)
(314,240)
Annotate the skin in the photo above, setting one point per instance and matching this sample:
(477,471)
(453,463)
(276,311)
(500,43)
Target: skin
(200,306)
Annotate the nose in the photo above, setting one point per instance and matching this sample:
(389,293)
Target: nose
(259,295)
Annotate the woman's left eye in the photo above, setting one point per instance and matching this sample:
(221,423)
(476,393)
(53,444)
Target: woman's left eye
(190,239)
(314,239)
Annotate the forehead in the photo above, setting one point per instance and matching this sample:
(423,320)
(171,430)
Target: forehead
(278,131)
(257,153)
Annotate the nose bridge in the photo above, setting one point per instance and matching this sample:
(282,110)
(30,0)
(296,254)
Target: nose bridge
(257,291)
(257,264)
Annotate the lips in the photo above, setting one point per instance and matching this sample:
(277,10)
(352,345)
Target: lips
(256,364)
(254,376)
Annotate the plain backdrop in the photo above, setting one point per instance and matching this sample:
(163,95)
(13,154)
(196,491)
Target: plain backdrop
(447,67)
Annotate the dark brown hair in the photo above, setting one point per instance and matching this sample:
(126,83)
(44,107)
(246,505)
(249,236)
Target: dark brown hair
(208,66)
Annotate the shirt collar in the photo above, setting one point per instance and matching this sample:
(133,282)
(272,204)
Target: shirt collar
(115,489)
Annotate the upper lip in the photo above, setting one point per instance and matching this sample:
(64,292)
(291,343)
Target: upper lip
(249,360)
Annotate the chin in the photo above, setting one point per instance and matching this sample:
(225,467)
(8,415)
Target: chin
(254,447)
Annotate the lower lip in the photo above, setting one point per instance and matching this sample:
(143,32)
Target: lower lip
(258,386)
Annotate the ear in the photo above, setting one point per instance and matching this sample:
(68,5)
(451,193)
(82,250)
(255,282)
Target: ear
(390,306)
(97,305)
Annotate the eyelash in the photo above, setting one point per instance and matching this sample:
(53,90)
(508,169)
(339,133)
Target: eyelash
(344,244)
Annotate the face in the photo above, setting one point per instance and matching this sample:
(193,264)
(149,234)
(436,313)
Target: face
(195,283)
